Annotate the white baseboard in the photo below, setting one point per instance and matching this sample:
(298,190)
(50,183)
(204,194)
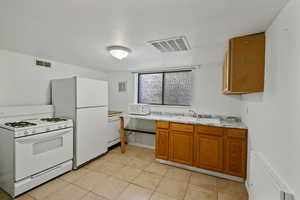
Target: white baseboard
(265,182)
(141,145)
(248,190)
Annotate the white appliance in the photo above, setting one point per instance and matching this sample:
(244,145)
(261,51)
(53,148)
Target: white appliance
(139,109)
(85,101)
(113,129)
(34,147)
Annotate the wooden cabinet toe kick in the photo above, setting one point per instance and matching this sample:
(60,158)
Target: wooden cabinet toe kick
(203,171)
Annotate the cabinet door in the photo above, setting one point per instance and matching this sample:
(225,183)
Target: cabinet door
(181,147)
(236,156)
(208,151)
(162,144)
(226,72)
(247,61)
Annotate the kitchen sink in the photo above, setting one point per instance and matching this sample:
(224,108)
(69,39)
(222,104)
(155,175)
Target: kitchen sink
(199,120)
(209,120)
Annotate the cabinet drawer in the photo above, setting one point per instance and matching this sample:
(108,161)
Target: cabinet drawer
(162,124)
(182,127)
(236,133)
(210,130)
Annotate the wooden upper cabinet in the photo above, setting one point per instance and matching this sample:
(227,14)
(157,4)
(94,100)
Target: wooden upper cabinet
(181,147)
(244,65)
(236,152)
(162,144)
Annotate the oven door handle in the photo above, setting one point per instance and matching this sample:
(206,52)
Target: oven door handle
(41,138)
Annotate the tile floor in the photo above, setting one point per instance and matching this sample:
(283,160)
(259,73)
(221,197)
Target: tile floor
(134,175)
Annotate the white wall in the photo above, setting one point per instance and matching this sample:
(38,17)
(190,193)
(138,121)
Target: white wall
(24,83)
(118,101)
(207,95)
(273,116)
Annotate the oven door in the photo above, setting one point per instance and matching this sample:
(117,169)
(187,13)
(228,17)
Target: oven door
(36,153)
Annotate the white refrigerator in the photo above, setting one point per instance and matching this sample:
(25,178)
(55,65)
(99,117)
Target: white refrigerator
(85,101)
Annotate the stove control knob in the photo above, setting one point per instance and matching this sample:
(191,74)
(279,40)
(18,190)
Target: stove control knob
(33,131)
(48,129)
(25,132)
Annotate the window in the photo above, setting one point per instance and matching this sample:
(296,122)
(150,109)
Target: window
(165,88)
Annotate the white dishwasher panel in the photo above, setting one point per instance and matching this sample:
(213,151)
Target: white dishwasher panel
(113,130)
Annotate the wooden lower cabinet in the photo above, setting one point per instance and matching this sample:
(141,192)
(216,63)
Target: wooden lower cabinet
(213,148)
(236,153)
(181,147)
(162,144)
(208,152)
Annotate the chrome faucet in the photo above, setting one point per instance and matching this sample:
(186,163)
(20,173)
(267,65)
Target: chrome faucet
(195,114)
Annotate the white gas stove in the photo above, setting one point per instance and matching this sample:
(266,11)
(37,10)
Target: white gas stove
(34,147)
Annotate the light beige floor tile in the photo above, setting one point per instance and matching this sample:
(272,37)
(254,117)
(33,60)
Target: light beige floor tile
(138,163)
(223,196)
(91,180)
(74,175)
(133,192)
(172,188)
(48,188)
(134,148)
(130,153)
(92,196)
(200,193)
(70,192)
(203,180)
(109,168)
(127,173)
(158,196)
(147,180)
(22,197)
(230,187)
(117,158)
(111,189)
(116,150)
(147,156)
(4,195)
(179,174)
(95,163)
(157,168)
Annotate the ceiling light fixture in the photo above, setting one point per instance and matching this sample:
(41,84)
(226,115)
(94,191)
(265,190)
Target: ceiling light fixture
(118,52)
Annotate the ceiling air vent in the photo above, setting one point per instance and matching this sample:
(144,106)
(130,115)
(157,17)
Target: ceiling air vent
(171,44)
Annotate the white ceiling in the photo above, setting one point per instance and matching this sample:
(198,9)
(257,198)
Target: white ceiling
(78,31)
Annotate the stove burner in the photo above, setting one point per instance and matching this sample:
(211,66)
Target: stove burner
(54,119)
(20,124)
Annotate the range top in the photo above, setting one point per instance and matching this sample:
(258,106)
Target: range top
(20,124)
(53,119)
(27,127)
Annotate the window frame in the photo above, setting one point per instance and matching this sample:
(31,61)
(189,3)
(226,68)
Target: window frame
(163,87)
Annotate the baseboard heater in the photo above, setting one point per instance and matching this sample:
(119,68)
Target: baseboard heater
(264,183)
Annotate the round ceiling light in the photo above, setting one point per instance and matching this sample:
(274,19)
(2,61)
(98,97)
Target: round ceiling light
(118,52)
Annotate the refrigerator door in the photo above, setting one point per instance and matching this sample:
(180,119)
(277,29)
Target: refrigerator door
(91,93)
(91,133)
